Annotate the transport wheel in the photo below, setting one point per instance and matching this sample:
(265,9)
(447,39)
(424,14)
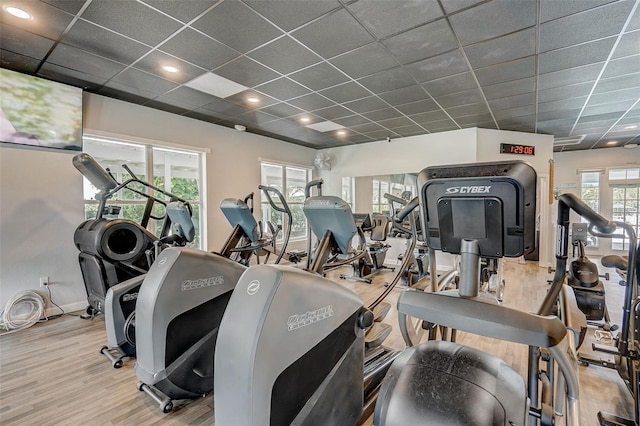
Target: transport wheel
(167,407)
(117,363)
(139,386)
(102,349)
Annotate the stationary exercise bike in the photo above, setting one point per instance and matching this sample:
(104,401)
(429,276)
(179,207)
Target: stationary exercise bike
(180,306)
(441,382)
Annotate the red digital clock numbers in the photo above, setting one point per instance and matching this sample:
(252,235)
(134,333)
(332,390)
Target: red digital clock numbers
(508,148)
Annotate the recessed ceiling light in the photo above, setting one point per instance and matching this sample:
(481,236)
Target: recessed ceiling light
(170,68)
(342,132)
(253,100)
(18,13)
(630,145)
(631,127)
(612,142)
(305,119)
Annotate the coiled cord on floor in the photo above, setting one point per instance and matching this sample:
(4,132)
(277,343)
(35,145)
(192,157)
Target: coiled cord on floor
(9,324)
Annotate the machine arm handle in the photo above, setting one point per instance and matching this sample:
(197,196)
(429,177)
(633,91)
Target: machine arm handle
(317,183)
(408,208)
(571,201)
(395,199)
(282,209)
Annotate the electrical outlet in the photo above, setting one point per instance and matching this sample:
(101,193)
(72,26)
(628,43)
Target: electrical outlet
(44,281)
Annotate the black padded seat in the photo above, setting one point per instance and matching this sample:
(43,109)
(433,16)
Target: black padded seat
(444,383)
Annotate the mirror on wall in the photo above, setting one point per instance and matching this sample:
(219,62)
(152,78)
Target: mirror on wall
(368,191)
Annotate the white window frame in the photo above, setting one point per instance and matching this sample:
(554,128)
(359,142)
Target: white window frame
(148,146)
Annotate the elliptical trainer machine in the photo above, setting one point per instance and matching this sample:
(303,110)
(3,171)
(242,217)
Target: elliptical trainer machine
(115,250)
(496,218)
(180,305)
(293,346)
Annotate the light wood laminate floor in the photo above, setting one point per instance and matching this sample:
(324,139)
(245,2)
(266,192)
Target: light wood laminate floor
(52,373)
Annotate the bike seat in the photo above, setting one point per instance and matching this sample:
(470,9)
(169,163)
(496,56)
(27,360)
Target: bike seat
(615,261)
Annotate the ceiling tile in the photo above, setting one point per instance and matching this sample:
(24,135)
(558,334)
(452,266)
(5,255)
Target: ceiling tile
(451,6)
(469,109)
(366,60)
(382,114)
(599,116)
(255,117)
(513,101)
(423,42)
(404,95)
(289,15)
(155,60)
(363,105)
(441,126)
(56,19)
(609,97)
(188,96)
(515,112)
(367,128)
(18,62)
(133,19)
(380,135)
(141,80)
(418,107)
(184,11)
(427,117)
(247,72)
(553,9)
(502,49)
(513,70)
(352,120)
(617,107)
(282,110)
(561,105)
(480,22)
(226,21)
(510,88)
(570,76)
(397,122)
(475,119)
(634,23)
(452,84)
(440,66)
(24,43)
(198,49)
(626,81)
(85,62)
(461,98)
(385,18)
(575,56)
(71,6)
(224,107)
(345,92)
(411,130)
(285,55)
(159,103)
(122,92)
(311,102)
(319,76)
(395,78)
(565,92)
(629,45)
(72,77)
(557,115)
(283,89)
(333,112)
(333,34)
(617,67)
(90,37)
(585,26)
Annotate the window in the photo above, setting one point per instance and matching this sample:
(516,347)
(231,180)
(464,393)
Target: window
(347,190)
(380,203)
(590,194)
(175,170)
(291,181)
(625,188)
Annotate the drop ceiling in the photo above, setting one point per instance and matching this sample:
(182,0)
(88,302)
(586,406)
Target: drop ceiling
(366,69)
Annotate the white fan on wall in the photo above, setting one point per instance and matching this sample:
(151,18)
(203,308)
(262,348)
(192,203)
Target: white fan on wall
(323,160)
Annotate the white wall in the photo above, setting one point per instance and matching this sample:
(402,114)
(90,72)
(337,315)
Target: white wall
(41,192)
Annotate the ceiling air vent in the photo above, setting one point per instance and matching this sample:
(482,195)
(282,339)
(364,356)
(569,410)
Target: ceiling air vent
(569,140)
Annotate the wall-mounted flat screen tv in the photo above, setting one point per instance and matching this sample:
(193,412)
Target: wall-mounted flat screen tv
(39,112)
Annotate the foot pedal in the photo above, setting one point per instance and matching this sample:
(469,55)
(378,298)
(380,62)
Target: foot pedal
(604,348)
(381,311)
(376,334)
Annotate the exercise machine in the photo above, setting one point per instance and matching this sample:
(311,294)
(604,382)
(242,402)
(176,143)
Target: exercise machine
(625,346)
(115,250)
(485,210)
(293,346)
(377,225)
(179,308)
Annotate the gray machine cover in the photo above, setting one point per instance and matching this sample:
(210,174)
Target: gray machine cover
(281,327)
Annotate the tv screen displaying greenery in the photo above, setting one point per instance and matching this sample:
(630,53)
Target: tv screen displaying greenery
(39,112)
